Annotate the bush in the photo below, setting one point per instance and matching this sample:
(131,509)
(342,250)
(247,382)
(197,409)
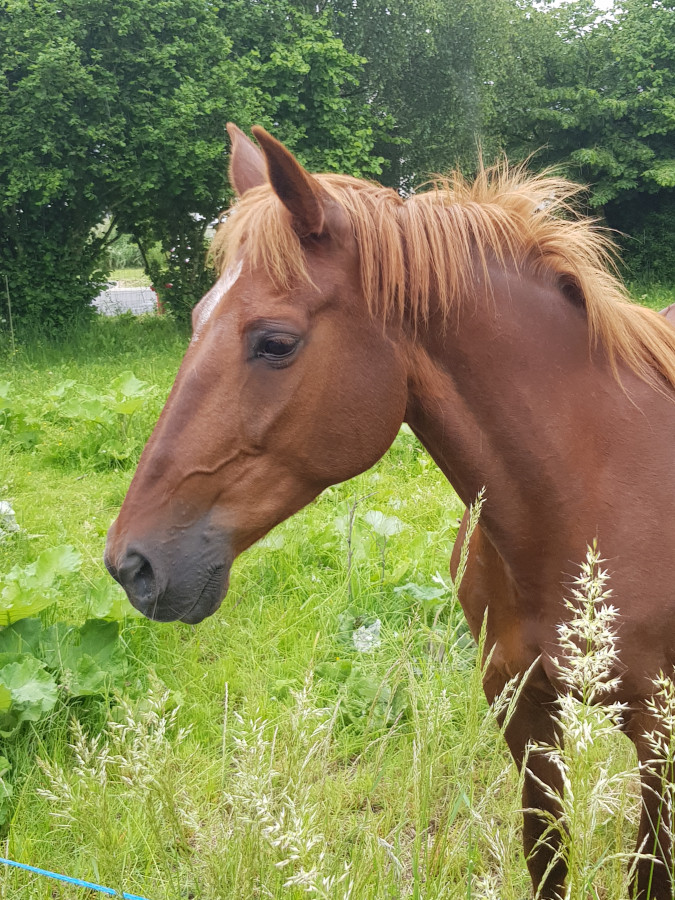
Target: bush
(648,236)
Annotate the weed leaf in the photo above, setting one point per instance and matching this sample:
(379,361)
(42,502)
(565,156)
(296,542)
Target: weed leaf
(32,693)
(385,526)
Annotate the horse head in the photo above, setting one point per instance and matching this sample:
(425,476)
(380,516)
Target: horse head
(289,385)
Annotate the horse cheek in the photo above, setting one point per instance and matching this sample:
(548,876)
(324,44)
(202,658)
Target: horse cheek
(362,414)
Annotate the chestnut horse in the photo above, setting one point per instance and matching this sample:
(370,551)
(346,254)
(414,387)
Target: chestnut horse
(485,316)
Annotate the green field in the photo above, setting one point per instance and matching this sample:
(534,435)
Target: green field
(290,746)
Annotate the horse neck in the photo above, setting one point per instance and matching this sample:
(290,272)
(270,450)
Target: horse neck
(501,398)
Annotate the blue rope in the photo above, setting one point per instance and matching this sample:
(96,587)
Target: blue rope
(76,881)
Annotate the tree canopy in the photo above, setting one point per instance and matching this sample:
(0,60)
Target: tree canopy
(117,108)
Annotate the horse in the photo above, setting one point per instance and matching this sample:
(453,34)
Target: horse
(486,314)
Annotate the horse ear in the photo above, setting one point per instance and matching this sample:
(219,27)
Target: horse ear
(247,164)
(296,188)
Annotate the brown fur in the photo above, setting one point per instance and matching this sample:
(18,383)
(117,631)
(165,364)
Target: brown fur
(428,245)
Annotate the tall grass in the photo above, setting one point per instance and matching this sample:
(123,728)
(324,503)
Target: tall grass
(427,806)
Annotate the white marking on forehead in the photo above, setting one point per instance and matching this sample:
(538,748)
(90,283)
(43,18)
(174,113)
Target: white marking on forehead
(215,295)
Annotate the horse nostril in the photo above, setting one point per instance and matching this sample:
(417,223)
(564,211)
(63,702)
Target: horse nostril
(137,577)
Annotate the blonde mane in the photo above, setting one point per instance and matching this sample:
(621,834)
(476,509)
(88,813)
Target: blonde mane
(435,243)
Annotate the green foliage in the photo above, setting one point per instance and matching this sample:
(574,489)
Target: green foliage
(26,590)
(99,422)
(113,108)
(598,101)
(27,692)
(40,663)
(306,85)
(433,69)
(89,659)
(123,253)
(37,662)
(647,233)
(18,421)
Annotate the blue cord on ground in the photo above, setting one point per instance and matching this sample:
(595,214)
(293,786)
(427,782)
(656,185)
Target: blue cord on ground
(76,881)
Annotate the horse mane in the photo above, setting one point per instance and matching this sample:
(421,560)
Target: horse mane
(430,244)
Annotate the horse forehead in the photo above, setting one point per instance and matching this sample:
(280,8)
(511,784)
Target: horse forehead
(206,306)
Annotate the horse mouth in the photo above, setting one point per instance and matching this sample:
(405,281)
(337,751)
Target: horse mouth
(168,581)
(210,597)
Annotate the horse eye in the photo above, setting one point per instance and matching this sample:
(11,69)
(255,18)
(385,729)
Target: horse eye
(277,347)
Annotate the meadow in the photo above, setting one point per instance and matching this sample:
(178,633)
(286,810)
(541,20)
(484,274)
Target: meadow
(324,734)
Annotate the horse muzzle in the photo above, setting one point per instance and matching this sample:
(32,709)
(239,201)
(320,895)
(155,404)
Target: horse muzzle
(183,578)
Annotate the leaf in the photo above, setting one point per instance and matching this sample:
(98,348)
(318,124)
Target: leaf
(57,392)
(5,699)
(367,637)
(338,671)
(27,588)
(372,701)
(128,385)
(87,678)
(107,600)
(57,561)
(22,637)
(32,691)
(422,593)
(54,640)
(385,526)
(128,406)
(90,410)
(17,603)
(89,658)
(432,599)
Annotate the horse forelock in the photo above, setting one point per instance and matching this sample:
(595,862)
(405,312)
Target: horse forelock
(427,248)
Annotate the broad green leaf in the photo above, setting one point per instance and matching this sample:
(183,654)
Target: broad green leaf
(385,526)
(99,639)
(128,385)
(422,593)
(27,588)
(22,637)
(128,406)
(57,392)
(91,410)
(88,659)
(54,640)
(32,689)
(86,678)
(17,603)
(5,698)
(107,600)
(56,561)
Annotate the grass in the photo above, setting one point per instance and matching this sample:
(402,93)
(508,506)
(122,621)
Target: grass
(654,295)
(130,278)
(261,754)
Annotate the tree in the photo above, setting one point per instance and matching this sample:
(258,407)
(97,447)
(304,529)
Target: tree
(599,103)
(434,69)
(105,108)
(299,81)
(307,84)
(117,108)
